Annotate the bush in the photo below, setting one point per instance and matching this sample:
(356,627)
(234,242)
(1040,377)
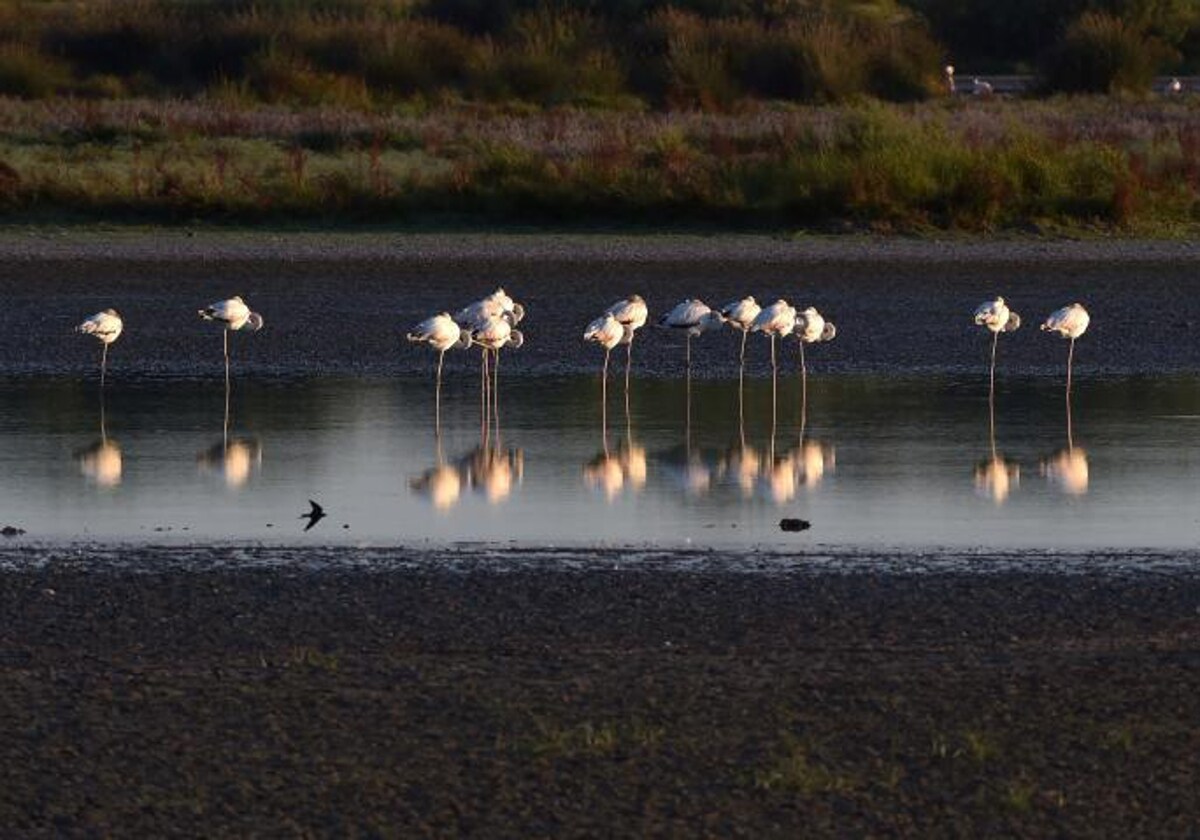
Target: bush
(1101,53)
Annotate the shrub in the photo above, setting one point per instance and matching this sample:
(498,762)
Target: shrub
(1100,53)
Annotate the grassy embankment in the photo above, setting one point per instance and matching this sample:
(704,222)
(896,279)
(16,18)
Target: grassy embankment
(975,166)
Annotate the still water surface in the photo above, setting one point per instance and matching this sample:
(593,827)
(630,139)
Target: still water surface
(904,462)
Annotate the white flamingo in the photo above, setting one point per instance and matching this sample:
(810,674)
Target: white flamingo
(778,321)
(740,315)
(107,327)
(232,314)
(811,328)
(1070,322)
(981,88)
(997,317)
(441,333)
(949,71)
(608,332)
(692,316)
(496,305)
(492,335)
(631,313)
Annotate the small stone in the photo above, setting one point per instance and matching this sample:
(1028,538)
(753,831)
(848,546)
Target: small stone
(11,531)
(794,524)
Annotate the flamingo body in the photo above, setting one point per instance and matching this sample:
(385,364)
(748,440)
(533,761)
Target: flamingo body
(1069,322)
(440,332)
(776,320)
(996,316)
(233,314)
(606,331)
(631,314)
(105,326)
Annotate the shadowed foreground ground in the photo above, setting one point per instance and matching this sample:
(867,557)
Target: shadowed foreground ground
(555,703)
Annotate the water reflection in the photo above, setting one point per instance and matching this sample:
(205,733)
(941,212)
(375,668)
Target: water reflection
(1067,470)
(101,461)
(235,459)
(491,471)
(896,462)
(996,477)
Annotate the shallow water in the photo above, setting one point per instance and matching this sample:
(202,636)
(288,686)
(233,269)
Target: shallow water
(882,462)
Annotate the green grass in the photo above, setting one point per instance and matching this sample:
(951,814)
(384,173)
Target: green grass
(1087,164)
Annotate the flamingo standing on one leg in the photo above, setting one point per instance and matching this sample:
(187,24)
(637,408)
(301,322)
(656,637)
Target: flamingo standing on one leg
(1069,322)
(631,314)
(811,328)
(232,314)
(608,332)
(695,318)
(997,317)
(740,315)
(778,321)
(107,327)
(441,333)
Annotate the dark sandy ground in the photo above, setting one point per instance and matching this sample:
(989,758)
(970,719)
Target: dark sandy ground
(338,304)
(249,698)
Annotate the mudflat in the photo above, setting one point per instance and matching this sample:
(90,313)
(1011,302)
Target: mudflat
(253,694)
(338,304)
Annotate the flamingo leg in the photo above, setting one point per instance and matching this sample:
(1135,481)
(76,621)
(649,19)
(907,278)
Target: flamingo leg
(484,398)
(803,390)
(225,427)
(496,394)
(437,399)
(604,396)
(774,377)
(1070,360)
(628,364)
(103,364)
(226,336)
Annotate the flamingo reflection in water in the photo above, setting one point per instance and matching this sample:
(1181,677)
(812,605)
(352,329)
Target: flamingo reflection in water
(609,472)
(101,462)
(234,459)
(490,471)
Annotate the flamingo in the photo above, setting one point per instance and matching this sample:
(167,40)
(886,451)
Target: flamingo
(811,328)
(232,314)
(980,87)
(695,318)
(608,332)
(493,334)
(441,333)
(106,326)
(997,317)
(1174,86)
(949,71)
(692,316)
(496,305)
(740,315)
(631,313)
(778,321)
(1070,322)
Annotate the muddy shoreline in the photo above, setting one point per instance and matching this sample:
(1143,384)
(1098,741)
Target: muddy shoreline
(338,304)
(493,701)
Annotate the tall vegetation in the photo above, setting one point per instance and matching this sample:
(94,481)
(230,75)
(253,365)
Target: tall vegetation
(637,53)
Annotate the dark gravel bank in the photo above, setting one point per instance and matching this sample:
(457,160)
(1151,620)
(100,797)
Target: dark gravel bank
(284,701)
(338,304)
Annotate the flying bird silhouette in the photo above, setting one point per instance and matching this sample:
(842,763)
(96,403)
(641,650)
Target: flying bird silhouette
(313,516)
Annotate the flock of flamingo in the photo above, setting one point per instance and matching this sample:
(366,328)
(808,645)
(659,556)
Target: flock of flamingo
(490,323)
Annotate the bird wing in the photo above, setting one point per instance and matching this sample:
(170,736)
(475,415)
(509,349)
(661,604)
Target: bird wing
(686,314)
(592,333)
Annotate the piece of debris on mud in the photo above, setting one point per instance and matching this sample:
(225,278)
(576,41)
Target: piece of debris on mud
(11,531)
(794,524)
